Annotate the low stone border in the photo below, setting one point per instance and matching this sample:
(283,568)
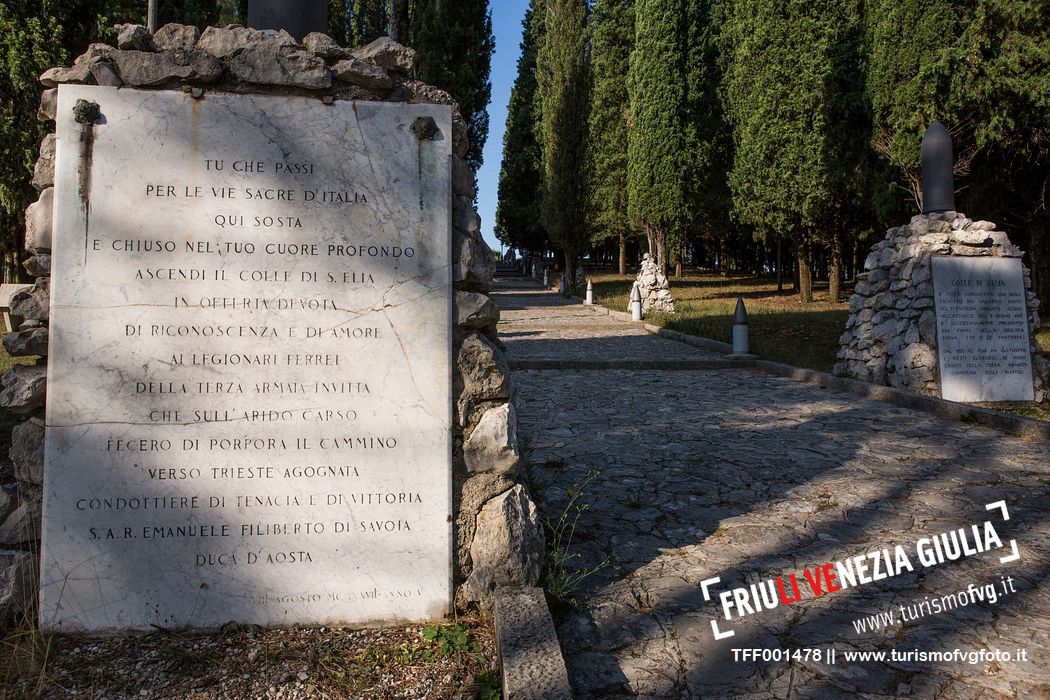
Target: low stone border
(532,667)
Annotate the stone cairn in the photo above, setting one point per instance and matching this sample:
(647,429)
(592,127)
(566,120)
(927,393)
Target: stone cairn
(654,287)
(891,333)
(497,536)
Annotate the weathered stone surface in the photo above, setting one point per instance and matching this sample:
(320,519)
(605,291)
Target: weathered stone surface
(357,72)
(26,343)
(44,170)
(493,444)
(94,52)
(204,68)
(387,53)
(78,73)
(471,494)
(39,265)
(21,526)
(34,303)
(144,69)
(27,451)
(530,657)
(22,388)
(508,547)
(462,178)
(134,37)
(472,263)
(8,501)
(475,311)
(48,105)
(481,376)
(274,63)
(18,575)
(105,75)
(176,36)
(323,45)
(225,42)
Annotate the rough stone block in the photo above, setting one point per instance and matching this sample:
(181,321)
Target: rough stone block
(134,37)
(274,63)
(481,376)
(44,171)
(531,663)
(462,179)
(39,265)
(105,75)
(27,451)
(357,72)
(225,42)
(471,494)
(323,45)
(29,343)
(18,575)
(78,73)
(34,303)
(508,547)
(475,310)
(387,53)
(493,444)
(23,388)
(176,36)
(48,105)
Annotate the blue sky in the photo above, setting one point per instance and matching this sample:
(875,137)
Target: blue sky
(506,27)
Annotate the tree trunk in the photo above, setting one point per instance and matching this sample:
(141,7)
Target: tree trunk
(623,254)
(661,252)
(780,266)
(395,19)
(835,270)
(805,272)
(570,268)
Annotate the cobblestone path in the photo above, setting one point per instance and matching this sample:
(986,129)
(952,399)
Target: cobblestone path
(747,477)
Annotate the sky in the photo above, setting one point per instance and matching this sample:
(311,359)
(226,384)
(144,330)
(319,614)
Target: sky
(506,27)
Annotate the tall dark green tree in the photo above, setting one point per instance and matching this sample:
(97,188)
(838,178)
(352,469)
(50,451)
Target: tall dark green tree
(781,103)
(518,207)
(454,46)
(708,140)
(561,77)
(612,38)
(655,140)
(908,86)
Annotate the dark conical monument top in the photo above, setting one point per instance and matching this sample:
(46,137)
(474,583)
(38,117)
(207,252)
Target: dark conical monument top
(937,163)
(297,17)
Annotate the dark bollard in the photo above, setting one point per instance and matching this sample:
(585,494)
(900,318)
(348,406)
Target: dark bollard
(937,162)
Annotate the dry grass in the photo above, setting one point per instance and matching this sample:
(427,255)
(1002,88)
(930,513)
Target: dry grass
(251,662)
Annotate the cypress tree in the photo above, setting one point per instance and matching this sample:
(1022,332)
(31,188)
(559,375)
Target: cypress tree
(908,87)
(518,207)
(612,37)
(655,139)
(454,46)
(708,150)
(562,84)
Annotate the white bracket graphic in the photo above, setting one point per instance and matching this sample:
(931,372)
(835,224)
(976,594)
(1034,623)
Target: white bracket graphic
(1001,505)
(719,634)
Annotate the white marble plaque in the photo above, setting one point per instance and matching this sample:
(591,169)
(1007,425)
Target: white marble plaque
(249,386)
(982,329)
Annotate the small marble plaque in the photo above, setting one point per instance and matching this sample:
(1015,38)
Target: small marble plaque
(982,329)
(249,385)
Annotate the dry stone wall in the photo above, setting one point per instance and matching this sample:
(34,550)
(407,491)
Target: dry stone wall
(891,333)
(497,538)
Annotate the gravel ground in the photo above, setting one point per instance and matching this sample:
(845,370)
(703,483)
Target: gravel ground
(250,662)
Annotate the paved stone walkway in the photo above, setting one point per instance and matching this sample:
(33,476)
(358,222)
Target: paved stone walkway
(747,477)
